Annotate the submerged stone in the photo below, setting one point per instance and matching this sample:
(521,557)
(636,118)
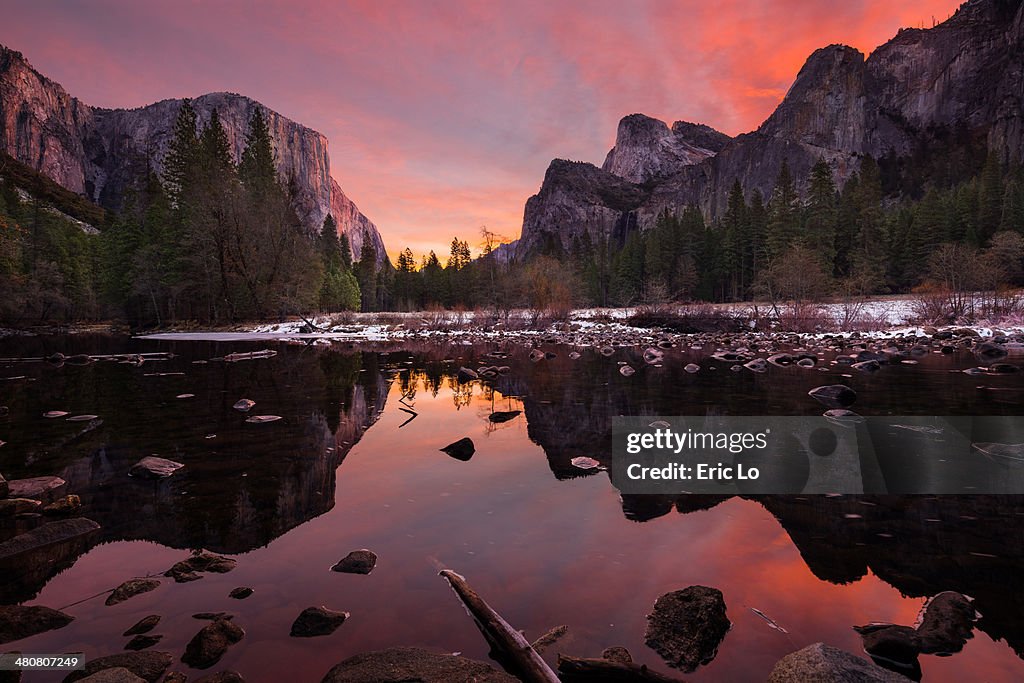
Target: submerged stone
(317,621)
(402,664)
(357,562)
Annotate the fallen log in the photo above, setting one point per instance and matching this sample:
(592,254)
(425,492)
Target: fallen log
(252,355)
(509,646)
(597,670)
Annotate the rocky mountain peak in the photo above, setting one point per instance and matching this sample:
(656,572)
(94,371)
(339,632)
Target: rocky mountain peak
(646,148)
(100,152)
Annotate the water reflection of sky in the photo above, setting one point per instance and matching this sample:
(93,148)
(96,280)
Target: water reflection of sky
(542,551)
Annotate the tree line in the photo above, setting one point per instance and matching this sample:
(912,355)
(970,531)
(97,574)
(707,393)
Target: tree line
(216,241)
(791,245)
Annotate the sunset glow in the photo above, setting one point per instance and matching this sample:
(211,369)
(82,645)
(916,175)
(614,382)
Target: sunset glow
(442,117)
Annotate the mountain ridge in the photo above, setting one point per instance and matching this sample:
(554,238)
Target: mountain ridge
(99,152)
(966,73)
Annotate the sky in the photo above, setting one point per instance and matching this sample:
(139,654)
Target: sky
(442,116)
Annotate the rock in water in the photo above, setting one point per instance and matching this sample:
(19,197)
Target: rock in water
(627,371)
(463,449)
(130,589)
(820,663)
(691,368)
(221,677)
(141,642)
(945,623)
(317,621)
(244,404)
(989,351)
(617,654)
(46,489)
(260,419)
(504,416)
(188,570)
(240,593)
(867,366)
(402,664)
(22,621)
(584,463)
(834,395)
(116,675)
(209,645)
(65,505)
(466,375)
(144,625)
(148,666)
(152,467)
(757,365)
(357,562)
(687,626)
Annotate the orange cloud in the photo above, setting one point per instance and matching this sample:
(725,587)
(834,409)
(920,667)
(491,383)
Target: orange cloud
(443,116)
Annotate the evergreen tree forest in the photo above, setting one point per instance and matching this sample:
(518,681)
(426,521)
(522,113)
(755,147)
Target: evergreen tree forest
(215,241)
(208,240)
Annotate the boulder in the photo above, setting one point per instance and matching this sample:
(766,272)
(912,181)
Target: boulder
(209,645)
(357,562)
(65,505)
(317,621)
(819,663)
(45,489)
(240,593)
(18,506)
(148,666)
(466,375)
(687,626)
(30,558)
(834,395)
(130,589)
(22,621)
(463,449)
(757,365)
(402,664)
(617,654)
(503,416)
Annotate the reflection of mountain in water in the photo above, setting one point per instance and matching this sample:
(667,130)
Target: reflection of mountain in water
(921,545)
(241,488)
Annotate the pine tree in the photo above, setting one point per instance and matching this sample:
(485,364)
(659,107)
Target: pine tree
(990,199)
(820,215)
(366,274)
(869,254)
(182,155)
(256,169)
(736,241)
(783,213)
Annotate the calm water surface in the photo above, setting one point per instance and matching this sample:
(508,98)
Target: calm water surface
(346,469)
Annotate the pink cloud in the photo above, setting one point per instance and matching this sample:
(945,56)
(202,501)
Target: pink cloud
(443,116)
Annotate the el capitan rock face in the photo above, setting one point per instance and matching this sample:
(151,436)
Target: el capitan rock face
(101,152)
(964,76)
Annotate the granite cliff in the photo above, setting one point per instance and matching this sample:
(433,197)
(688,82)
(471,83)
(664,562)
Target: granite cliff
(100,152)
(964,76)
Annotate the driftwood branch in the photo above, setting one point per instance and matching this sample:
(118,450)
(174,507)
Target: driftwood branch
(509,645)
(549,638)
(600,670)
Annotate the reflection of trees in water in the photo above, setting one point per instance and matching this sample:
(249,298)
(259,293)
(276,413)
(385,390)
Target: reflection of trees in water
(244,485)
